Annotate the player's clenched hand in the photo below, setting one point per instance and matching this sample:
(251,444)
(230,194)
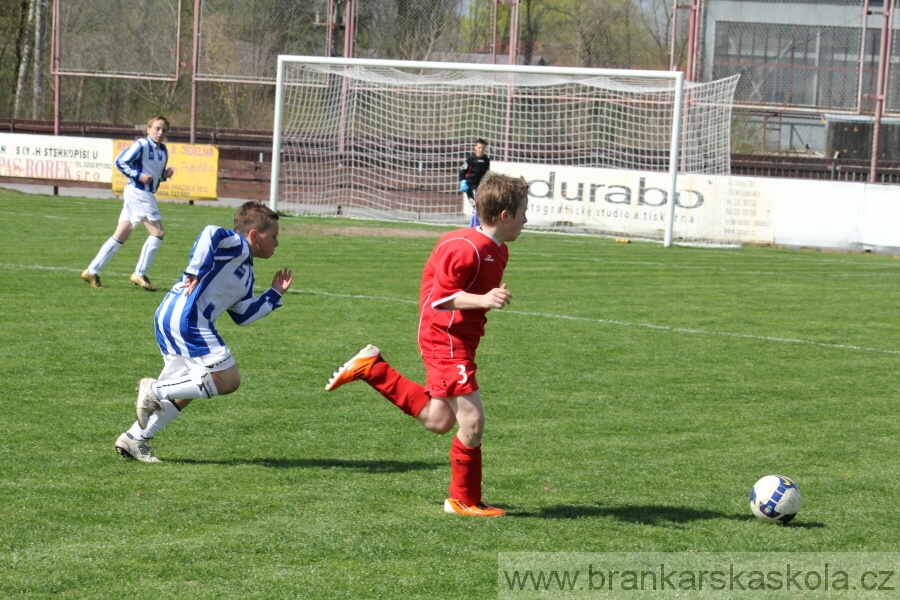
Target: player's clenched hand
(282,280)
(190,284)
(498,297)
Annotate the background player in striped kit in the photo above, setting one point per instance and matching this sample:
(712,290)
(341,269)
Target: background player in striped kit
(461,282)
(198,363)
(144,164)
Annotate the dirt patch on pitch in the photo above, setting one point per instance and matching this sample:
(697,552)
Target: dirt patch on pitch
(350,231)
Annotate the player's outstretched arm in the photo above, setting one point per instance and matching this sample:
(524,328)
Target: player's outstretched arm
(282,280)
(496,298)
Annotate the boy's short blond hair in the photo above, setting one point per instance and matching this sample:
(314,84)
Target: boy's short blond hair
(497,193)
(254,215)
(158,118)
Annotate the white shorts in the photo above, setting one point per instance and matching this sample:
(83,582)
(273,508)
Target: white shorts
(139,205)
(179,366)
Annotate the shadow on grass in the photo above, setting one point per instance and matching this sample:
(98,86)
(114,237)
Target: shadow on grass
(363,466)
(645,515)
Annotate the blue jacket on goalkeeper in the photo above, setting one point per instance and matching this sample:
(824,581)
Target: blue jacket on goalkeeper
(471,172)
(474,168)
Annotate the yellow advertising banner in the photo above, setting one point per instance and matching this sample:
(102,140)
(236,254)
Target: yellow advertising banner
(196,172)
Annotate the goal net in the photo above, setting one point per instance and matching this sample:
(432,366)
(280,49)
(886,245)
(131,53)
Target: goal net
(609,152)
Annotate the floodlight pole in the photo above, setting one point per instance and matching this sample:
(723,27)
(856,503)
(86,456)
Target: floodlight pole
(195,58)
(494,34)
(693,40)
(883,65)
(57,78)
(513,31)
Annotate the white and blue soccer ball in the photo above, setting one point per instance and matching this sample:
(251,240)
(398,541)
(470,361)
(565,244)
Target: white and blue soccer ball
(775,499)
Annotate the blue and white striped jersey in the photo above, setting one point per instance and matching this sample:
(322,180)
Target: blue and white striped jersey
(143,156)
(220,258)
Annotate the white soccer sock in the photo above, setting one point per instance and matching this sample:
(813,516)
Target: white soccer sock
(135,431)
(195,385)
(107,251)
(148,253)
(167,413)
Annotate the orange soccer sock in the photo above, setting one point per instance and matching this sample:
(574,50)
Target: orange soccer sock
(408,396)
(465,473)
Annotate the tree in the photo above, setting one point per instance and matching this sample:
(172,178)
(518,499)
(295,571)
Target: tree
(616,34)
(407,29)
(13,29)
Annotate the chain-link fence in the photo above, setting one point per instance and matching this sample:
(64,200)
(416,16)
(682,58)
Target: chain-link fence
(119,39)
(797,59)
(815,55)
(893,79)
(238,41)
(241,39)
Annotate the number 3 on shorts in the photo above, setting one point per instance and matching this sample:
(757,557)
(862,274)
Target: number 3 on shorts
(463,376)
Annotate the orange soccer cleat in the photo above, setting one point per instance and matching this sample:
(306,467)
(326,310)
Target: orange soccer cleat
(357,367)
(452,505)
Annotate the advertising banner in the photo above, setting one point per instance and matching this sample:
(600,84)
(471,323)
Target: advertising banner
(196,172)
(56,157)
(636,202)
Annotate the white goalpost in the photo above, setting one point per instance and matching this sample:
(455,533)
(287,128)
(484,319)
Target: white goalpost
(604,151)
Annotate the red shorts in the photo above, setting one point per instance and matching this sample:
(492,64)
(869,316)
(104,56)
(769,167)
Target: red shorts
(446,377)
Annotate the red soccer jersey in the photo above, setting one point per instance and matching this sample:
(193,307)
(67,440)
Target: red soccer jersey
(466,260)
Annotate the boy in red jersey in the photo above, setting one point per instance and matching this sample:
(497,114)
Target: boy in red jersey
(461,282)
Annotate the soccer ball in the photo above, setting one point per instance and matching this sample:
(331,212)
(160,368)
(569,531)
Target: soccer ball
(775,499)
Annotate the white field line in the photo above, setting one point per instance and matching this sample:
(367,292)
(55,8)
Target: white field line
(720,269)
(694,331)
(668,328)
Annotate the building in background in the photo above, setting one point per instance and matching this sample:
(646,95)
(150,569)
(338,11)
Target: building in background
(809,71)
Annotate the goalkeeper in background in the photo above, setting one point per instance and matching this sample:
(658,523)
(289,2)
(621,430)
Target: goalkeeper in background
(470,173)
(462,280)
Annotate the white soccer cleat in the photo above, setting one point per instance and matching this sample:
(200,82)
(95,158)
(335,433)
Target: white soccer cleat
(357,367)
(139,450)
(147,403)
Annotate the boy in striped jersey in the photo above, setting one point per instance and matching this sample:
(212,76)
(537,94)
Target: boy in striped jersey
(144,164)
(461,282)
(198,363)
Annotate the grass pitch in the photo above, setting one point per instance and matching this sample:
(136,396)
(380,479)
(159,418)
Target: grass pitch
(633,395)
